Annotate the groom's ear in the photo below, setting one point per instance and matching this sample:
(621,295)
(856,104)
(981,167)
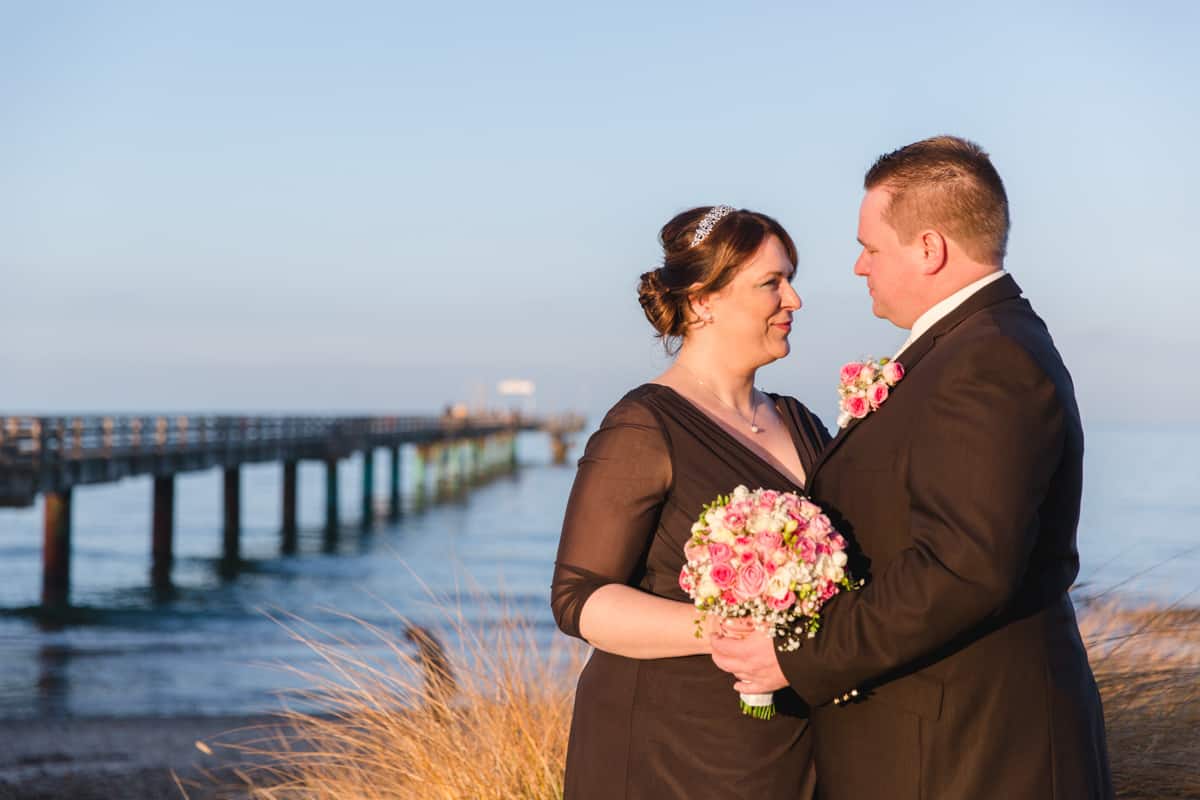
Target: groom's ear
(933,252)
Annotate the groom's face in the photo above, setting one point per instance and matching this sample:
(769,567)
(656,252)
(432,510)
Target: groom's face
(892,268)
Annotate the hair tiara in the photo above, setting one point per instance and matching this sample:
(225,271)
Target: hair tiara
(714,215)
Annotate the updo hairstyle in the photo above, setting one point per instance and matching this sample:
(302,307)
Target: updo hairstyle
(712,263)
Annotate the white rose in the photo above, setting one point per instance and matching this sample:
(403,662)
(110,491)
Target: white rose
(839,558)
(707,588)
(778,585)
(723,536)
(827,569)
(760,521)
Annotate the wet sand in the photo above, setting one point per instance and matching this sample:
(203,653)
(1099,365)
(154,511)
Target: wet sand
(124,758)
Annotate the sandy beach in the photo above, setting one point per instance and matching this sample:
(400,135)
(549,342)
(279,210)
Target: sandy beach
(122,758)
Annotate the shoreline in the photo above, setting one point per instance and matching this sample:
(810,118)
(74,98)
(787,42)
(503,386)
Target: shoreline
(133,758)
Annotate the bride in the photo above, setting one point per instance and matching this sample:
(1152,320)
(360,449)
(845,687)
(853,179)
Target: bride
(654,717)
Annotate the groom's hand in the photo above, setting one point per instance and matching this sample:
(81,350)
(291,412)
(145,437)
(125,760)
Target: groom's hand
(749,657)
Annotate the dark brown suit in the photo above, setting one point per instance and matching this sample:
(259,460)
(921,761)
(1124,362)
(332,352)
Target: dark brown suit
(962,493)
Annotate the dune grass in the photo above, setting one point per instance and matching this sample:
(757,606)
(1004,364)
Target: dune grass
(1147,665)
(391,721)
(461,713)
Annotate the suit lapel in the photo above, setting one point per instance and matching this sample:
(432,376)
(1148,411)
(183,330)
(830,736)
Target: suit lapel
(1003,289)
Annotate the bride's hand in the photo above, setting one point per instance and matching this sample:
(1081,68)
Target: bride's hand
(737,628)
(715,627)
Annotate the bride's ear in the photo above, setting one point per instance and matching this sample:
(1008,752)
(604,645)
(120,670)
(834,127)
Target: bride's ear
(699,305)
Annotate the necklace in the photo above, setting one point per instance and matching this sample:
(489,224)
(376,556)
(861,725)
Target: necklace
(754,428)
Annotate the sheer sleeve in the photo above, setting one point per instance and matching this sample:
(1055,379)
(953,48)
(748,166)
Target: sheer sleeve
(613,509)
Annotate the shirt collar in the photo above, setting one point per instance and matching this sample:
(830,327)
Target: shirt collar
(941,309)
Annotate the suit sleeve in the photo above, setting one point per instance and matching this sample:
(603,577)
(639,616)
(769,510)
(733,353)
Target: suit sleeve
(980,467)
(613,511)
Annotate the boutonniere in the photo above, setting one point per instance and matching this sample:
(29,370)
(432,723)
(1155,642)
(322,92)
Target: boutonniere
(864,387)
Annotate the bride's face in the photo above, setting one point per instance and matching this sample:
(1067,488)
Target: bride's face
(752,314)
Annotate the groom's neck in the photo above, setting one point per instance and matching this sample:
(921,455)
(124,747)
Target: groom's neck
(951,284)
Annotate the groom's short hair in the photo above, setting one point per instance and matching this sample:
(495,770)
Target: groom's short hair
(948,184)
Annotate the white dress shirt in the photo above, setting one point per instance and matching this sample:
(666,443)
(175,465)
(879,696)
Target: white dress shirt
(940,310)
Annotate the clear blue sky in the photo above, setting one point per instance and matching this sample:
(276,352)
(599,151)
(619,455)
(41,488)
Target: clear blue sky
(358,206)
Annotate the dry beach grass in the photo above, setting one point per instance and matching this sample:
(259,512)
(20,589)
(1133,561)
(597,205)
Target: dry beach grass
(1147,663)
(487,720)
(504,733)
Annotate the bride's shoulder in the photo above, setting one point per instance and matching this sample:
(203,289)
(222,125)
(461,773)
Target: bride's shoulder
(637,407)
(787,401)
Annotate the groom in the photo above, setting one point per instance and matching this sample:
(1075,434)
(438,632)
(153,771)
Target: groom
(958,670)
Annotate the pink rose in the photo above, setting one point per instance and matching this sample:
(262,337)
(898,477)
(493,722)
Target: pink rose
(767,498)
(729,597)
(856,406)
(770,567)
(782,603)
(720,552)
(809,509)
(746,556)
(808,550)
(723,575)
(750,581)
(877,394)
(820,525)
(769,541)
(837,541)
(693,550)
(734,521)
(685,580)
(850,372)
(828,590)
(893,371)
(867,373)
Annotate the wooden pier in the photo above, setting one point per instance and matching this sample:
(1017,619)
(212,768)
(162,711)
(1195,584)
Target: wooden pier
(50,456)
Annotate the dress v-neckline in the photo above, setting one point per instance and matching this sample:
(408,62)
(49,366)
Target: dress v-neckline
(793,436)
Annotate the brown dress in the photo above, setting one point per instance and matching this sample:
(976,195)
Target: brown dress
(668,727)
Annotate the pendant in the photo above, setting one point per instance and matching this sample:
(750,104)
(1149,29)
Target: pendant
(755,429)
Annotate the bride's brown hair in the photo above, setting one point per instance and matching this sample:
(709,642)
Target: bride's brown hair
(712,263)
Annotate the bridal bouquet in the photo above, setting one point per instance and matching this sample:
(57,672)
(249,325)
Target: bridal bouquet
(770,557)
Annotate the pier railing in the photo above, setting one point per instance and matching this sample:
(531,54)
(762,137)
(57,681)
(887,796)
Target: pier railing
(49,453)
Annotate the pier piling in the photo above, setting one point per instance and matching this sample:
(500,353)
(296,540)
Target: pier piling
(394,509)
(233,516)
(368,488)
(290,529)
(56,551)
(162,547)
(331,502)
